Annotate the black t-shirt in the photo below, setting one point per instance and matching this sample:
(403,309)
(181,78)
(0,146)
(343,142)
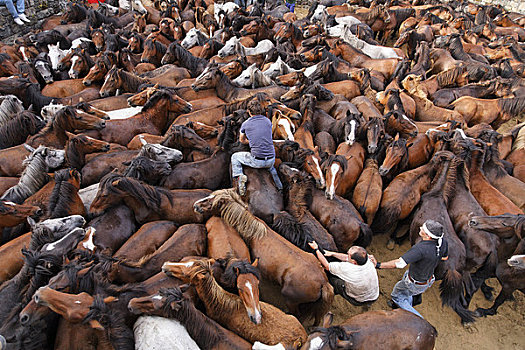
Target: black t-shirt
(423,259)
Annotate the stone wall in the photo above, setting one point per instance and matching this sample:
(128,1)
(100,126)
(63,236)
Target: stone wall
(36,10)
(509,5)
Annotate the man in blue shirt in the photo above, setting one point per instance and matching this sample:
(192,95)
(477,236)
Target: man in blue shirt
(257,132)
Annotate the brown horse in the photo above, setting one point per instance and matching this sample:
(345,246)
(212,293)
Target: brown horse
(213,78)
(368,191)
(396,159)
(274,328)
(78,146)
(101,66)
(224,240)
(490,111)
(509,228)
(265,243)
(342,170)
(374,330)
(172,303)
(188,240)
(154,119)
(147,202)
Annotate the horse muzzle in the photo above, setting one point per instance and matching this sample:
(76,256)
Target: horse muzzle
(372,149)
(87,82)
(103,93)
(383,171)
(195,87)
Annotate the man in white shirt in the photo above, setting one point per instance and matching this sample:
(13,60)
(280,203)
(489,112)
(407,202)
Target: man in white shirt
(354,278)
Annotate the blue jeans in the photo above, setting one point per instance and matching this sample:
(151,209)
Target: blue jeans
(291,7)
(20,7)
(245,158)
(405,289)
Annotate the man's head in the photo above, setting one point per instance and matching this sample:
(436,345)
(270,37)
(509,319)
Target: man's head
(432,230)
(357,255)
(255,108)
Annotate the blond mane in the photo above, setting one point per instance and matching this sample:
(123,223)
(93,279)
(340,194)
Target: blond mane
(236,214)
(519,142)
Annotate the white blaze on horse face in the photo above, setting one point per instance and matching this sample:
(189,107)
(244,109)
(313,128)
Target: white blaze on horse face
(89,245)
(321,177)
(51,246)
(316,343)
(10,203)
(334,168)
(23,51)
(350,138)
(285,123)
(410,121)
(462,133)
(258,315)
(157,297)
(204,199)
(71,72)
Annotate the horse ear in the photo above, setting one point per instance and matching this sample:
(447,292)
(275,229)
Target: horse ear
(109,299)
(29,148)
(96,325)
(175,306)
(184,287)
(126,163)
(115,183)
(396,138)
(327,319)
(255,263)
(31,221)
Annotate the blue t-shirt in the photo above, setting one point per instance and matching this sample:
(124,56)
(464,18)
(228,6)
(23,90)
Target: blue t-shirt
(258,130)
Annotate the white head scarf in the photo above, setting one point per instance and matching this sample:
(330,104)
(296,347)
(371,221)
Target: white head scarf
(435,231)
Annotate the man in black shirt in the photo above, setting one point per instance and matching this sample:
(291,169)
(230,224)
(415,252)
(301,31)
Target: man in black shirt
(423,258)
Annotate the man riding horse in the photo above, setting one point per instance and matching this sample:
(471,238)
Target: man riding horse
(257,132)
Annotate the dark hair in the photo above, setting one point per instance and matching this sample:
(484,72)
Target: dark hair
(255,108)
(360,256)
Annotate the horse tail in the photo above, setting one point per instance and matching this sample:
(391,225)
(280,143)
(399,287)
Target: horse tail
(451,292)
(386,219)
(365,235)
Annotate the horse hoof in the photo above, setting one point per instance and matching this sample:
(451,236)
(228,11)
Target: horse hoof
(469,327)
(390,244)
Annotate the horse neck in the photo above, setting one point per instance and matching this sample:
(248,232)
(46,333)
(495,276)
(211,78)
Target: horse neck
(74,157)
(225,87)
(297,200)
(131,82)
(215,298)
(441,185)
(34,175)
(158,116)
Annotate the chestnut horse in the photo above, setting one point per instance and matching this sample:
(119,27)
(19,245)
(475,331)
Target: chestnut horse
(266,244)
(147,202)
(274,328)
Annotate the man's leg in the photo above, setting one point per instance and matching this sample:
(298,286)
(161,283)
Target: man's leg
(237,160)
(275,177)
(402,295)
(10,7)
(20,6)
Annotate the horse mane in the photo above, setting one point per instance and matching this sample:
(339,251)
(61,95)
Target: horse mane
(235,267)
(291,229)
(16,130)
(63,194)
(157,96)
(113,321)
(35,97)
(513,106)
(235,213)
(185,58)
(201,328)
(519,141)
(449,76)
(372,14)
(335,158)
(448,187)
(332,335)
(150,196)
(224,302)
(150,44)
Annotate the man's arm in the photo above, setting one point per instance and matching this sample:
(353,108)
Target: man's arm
(340,256)
(243,138)
(392,264)
(319,255)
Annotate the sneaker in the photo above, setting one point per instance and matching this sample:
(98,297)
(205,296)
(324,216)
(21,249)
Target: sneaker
(23,17)
(241,184)
(19,21)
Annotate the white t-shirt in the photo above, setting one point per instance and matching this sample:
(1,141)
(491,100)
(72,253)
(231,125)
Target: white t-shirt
(361,281)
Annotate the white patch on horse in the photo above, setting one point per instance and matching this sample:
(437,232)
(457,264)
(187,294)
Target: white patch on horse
(287,128)
(89,245)
(157,297)
(10,203)
(350,139)
(53,245)
(334,168)
(23,50)
(78,302)
(319,171)
(204,199)
(316,343)
(260,346)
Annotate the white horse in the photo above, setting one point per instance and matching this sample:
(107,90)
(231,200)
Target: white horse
(55,55)
(159,333)
(374,51)
(227,8)
(192,38)
(278,68)
(252,77)
(517,261)
(233,45)
(10,106)
(135,5)
(88,195)
(348,20)
(318,13)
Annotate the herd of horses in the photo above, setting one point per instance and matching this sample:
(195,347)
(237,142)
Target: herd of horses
(120,229)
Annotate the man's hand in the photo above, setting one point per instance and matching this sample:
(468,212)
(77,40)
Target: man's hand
(313,245)
(328,253)
(243,139)
(372,259)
